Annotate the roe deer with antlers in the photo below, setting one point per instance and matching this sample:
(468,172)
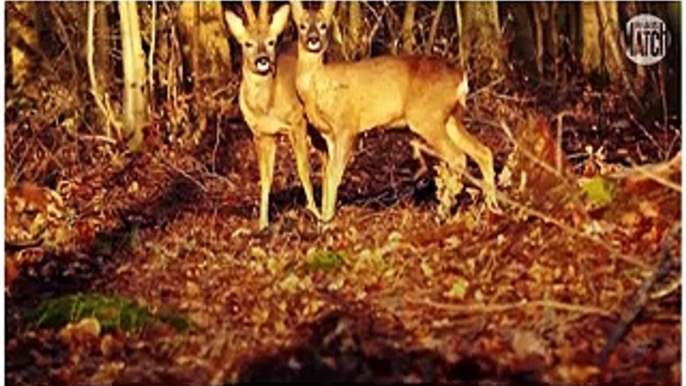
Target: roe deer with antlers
(341,100)
(268,99)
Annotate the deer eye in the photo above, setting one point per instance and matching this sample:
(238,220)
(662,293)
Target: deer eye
(271,43)
(303,27)
(322,27)
(249,44)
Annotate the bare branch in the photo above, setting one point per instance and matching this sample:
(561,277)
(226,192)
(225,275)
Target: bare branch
(492,308)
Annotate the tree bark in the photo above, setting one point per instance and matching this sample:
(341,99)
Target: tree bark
(595,44)
(22,37)
(539,11)
(108,120)
(481,34)
(408,24)
(601,50)
(103,46)
(459,24)
(434,28)
(555,38)
(355,28)
(214,53)
(133,58)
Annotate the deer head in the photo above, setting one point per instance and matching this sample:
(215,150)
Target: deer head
(313,26)
(258,37)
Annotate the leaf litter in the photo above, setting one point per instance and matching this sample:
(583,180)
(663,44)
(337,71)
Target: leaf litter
(388,292)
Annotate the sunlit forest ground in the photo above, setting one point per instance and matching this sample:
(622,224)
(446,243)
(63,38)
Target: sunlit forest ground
(147,267)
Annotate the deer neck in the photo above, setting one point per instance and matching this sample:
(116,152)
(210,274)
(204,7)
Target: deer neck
(257,92)
(308,65)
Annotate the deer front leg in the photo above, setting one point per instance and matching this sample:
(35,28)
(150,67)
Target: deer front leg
(302,160)
(266,150)
(339,154)
(417,149)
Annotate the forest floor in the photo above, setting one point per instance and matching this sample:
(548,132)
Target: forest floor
(385,293)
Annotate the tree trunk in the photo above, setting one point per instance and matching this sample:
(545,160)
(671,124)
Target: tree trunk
(481,34)
(459,24)
(355,29)
(22,37)
(640,77)
(434,28)
(408,24)
(601,50)
(135,106)
(523,44)
(107,120)
(595,47)
(555,39)
(103,46)
(212,43)
(608,16)
(540,16)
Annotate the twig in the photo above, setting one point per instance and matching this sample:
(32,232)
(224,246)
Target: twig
(667,290)
(663,95)
(184,173)
(528,154)
(216,143)
(639,298)
(536,213)
(377,24)
(645,132)
(492,308)
(151,54)
(487,87)
(652,172)
(659,179)
(210,174)
(98,138)
(511,97)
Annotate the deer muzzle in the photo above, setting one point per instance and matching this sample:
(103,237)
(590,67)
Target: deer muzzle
(263,65)
(314,43)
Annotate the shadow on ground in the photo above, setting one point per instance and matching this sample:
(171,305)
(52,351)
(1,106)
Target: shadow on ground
(343,348)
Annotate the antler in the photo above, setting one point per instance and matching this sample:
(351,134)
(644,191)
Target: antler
(263,16)
(249,12)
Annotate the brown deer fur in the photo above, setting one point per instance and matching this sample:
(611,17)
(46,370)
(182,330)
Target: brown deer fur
(343,100)
(268,99)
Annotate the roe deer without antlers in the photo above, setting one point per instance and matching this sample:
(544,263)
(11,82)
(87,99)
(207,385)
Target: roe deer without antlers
(268,99)
(344,99)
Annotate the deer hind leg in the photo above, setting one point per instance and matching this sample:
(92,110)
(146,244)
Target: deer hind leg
(340,149)
(436,137)
(479,153)
(458,165)
(298,137)
(265,146)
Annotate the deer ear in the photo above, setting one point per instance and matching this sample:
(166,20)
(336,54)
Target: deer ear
(279,20)
(328,9)
(235,25)
(298,11)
